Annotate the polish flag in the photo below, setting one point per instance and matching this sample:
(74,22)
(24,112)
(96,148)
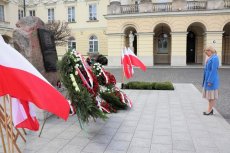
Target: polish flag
(24,116)
(127,65)
(22,81)
(134,60)
(129,59)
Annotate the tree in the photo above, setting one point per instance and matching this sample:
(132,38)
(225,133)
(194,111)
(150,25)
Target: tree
(60,30)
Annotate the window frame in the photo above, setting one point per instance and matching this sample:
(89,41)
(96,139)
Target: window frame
(51,16)
(93,44)
(71,15)
(70,45)
(93,12)
(32,13)
(2,15)
(20,14)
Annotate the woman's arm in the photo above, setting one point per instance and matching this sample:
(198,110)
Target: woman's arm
(214,69)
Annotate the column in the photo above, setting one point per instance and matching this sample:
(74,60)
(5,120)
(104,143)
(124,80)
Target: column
(178,51)
(145,47)
(214,38)
(115,46)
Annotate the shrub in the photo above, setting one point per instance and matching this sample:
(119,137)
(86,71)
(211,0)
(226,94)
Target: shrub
(164,86)
(149,85)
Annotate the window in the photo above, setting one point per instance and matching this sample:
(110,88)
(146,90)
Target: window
(32,12)
(20,14)
(51,15)
(93,44)
(71,44)
(71,14)
(163,43)
(92,12)
(2,18)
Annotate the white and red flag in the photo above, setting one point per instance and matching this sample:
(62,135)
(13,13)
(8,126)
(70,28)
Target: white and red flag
(129,59)
(127,65)
(23,114)
(22,81)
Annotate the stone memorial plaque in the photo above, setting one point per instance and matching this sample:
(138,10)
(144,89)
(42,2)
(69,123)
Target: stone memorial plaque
(49,51)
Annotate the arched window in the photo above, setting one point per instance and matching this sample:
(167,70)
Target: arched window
(163,43)
(93,44)
(71,44)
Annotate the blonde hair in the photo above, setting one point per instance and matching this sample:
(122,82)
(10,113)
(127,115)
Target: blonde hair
(210,48)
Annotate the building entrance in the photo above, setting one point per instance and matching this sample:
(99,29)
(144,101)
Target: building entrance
(190,54)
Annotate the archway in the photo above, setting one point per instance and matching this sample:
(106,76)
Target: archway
(195,43)
(162,44)
(131,38)
(226,44)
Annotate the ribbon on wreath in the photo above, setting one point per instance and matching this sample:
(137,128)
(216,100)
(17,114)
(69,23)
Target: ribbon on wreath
(89,82)
(124,98)
(99,101)
(106,77)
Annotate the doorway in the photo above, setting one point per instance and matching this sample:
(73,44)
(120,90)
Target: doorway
(191,45)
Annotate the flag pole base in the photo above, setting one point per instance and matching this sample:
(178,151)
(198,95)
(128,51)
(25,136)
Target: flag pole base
(122,86)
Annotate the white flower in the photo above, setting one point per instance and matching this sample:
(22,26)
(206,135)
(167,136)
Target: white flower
(74,84)
(76,72)
(77,88)
(71,76)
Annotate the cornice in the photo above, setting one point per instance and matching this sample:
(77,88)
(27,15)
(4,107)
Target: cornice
(145,33)
(115,34)
(168,14)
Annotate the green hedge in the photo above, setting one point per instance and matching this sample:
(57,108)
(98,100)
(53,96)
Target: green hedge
(148,85)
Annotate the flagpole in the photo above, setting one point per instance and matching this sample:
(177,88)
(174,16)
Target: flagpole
(122,78)
(6,125)
(122,72)
(2,136)
(11,124)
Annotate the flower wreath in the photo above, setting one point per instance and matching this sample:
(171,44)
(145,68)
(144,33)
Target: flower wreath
(107,83)
(104,77)
(88,79)
(81,85)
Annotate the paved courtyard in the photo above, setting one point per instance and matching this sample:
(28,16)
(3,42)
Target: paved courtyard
(159,122)
(189,74)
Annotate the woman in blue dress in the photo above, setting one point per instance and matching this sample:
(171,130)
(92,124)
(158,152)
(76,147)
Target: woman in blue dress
(211,79)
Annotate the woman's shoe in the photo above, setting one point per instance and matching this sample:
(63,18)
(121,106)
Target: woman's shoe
(210,113)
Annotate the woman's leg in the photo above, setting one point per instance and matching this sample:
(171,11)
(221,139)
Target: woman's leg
(211,104)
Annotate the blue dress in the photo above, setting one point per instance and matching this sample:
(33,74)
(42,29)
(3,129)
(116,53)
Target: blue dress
(211,76)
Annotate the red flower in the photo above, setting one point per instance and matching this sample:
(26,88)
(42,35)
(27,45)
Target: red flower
(111,78)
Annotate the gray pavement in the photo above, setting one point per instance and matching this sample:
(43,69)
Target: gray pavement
(159,122)
(190,74)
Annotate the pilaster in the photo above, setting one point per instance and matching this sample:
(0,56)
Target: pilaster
(178,50)
(115,46)
(145,47)
(214,38)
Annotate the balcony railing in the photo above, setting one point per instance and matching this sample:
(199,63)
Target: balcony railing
(196,5)
(158,7)
(129,9)
(165,7)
